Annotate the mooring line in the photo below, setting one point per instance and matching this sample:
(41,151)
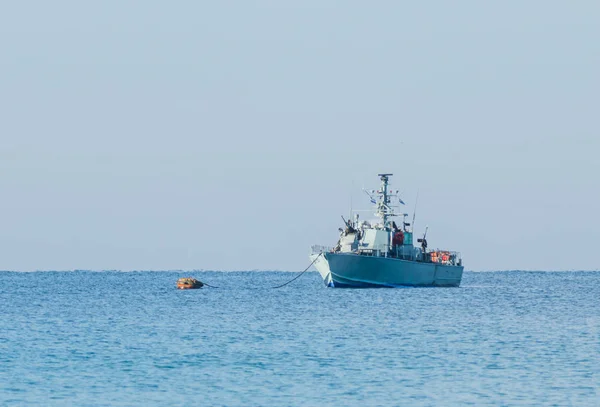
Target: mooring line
(284,284)
(305,270)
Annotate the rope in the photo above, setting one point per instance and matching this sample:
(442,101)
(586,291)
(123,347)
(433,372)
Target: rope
(286,283)
(305,270)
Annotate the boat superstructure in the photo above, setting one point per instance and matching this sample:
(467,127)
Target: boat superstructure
(382,253)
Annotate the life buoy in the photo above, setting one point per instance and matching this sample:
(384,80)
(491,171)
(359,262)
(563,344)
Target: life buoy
(398,239)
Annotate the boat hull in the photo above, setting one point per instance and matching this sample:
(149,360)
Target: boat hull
(348,270)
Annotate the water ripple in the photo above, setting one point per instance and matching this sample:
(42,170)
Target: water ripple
(104,339)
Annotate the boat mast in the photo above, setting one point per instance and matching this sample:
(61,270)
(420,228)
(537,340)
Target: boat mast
(384,200)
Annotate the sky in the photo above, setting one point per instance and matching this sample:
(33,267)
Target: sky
(231,135)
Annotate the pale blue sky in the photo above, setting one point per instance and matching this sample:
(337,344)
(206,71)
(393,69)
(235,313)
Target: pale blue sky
(229,135)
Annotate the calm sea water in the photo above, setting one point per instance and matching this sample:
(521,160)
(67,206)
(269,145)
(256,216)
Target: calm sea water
(110,338)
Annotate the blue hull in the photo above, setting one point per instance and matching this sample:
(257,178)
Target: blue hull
(348,270)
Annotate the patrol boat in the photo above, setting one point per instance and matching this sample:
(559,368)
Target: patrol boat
(382,254)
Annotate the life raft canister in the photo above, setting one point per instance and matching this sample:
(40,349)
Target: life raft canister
(398,239)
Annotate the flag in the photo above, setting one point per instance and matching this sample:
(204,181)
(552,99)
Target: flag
(373,201)
(401,201)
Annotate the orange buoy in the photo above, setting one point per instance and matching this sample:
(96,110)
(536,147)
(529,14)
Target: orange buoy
(188,283)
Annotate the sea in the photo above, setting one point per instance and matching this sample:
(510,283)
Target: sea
(507,338)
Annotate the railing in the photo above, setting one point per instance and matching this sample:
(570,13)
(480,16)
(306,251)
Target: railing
(444,257)
(316,249)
